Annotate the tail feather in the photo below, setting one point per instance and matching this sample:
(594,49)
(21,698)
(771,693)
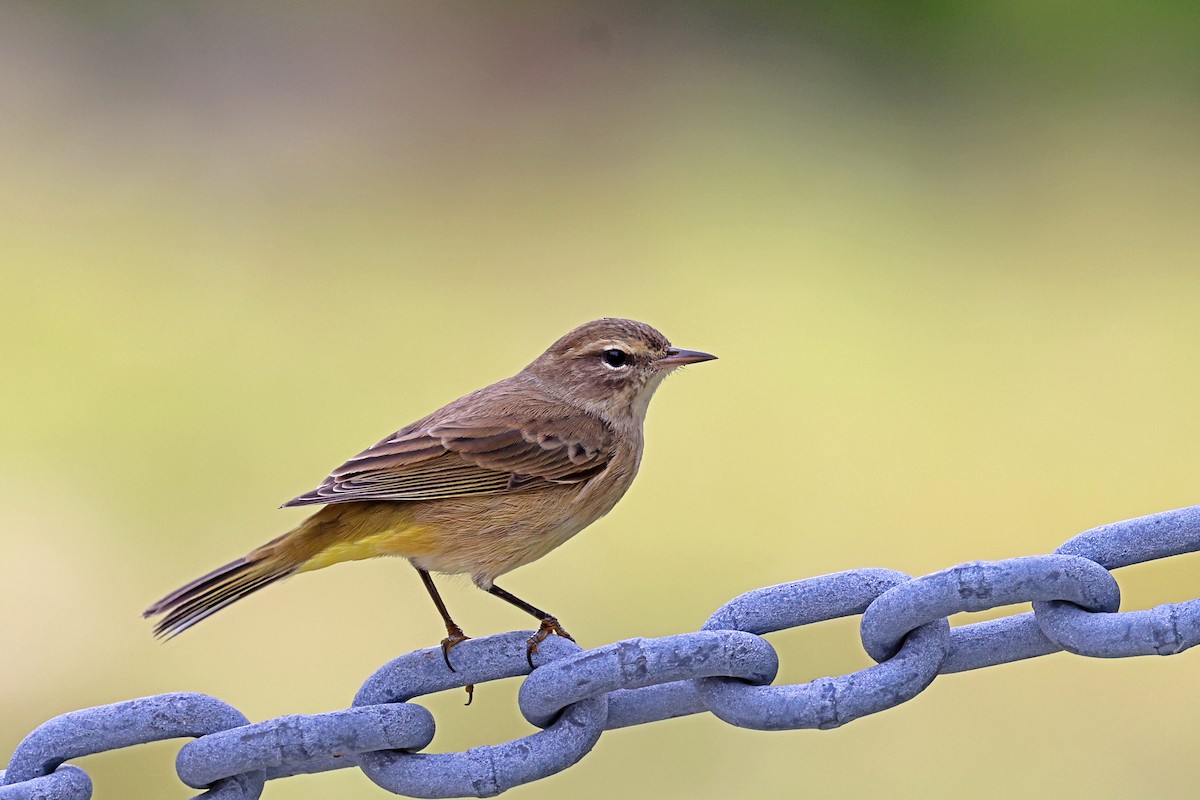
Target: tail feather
(209,593)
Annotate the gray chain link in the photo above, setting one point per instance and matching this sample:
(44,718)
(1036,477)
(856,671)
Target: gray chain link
(574,695)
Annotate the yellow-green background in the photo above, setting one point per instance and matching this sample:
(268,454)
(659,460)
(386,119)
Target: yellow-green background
(947,253)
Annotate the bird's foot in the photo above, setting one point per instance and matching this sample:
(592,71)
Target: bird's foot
(455,635)
(549,625)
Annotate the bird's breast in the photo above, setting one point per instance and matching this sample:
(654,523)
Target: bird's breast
(490,535)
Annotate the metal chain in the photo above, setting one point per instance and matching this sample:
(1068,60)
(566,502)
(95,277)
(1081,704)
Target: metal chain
(574,695)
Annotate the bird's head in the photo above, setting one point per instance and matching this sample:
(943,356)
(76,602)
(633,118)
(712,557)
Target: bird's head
(611,367)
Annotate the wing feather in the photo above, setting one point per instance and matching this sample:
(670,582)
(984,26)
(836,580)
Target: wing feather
(462,457)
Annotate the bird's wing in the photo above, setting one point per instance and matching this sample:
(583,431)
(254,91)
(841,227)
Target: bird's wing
(473,456)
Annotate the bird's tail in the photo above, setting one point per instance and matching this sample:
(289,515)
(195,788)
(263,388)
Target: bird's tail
(208,594)
(339,532)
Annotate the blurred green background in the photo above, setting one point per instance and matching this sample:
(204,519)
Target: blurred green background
(947,253)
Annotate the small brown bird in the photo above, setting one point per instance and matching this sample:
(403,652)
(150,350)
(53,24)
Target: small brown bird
(492,481)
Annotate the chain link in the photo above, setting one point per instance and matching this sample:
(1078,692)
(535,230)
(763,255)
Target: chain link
(481,771)
(726,668)
(1164,630)
(636,664)
(826,702)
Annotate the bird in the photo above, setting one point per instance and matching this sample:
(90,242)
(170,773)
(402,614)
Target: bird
(488,483)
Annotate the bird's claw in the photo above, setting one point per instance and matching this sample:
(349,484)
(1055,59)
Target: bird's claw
(549,625)
(455,635)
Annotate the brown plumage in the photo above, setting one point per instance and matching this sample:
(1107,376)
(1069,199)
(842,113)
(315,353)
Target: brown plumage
(490,482)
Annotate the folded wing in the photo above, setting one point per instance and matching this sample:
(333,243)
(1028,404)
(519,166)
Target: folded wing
(461,457)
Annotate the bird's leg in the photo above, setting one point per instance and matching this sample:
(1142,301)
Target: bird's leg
(454,634)
(549,621)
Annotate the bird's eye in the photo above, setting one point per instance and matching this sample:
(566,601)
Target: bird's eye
(615,358)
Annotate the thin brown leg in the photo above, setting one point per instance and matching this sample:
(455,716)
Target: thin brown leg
(454,634)
(549,621)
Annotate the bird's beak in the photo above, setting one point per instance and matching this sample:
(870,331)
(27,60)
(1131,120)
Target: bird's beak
(677,357)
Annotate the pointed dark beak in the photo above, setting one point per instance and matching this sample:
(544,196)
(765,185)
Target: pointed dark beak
(677,357)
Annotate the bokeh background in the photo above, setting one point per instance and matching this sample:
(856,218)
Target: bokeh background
(947,253)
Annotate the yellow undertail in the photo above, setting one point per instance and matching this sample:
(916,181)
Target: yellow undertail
(336,533)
